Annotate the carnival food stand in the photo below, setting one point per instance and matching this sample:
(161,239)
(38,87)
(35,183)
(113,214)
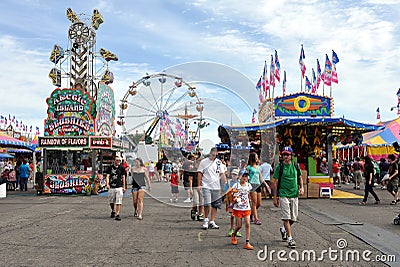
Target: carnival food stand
(78,144)
(304,122)
(79,132)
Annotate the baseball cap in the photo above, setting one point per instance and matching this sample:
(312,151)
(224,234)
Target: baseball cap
(287,150)
(235,171)
(243,172)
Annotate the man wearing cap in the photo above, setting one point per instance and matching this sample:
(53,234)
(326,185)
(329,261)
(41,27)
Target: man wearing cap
(208,180)
(288,185)
(116,184)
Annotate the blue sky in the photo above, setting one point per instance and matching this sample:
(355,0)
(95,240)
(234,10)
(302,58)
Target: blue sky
(152,36)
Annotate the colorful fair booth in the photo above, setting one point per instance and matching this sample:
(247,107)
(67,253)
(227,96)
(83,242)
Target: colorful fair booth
(376,144)
(79,132)
(78,142)
(302,121)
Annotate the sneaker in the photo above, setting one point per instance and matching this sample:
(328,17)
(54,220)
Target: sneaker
(112,214)
(233,240)
(230,232)
(193,214)
(187,200)
(117,218)
(383,187)
(176,200)
(170,200)
(213,225)
(200,217)
(248,246)
(238,234)
(393,202)
(283,234)
(205,224)
(292,244)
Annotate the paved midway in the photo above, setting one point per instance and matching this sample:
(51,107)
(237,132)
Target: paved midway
(77,231)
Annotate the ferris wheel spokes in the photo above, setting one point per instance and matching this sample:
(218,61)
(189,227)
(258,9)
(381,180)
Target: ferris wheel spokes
(139,125)
(177,100)
(169,97)
(148,102)
(138,106)
(152,93)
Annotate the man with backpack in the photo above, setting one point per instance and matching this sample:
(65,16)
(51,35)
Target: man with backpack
(288,185)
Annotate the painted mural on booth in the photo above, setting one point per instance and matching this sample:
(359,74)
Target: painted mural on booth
(70,112)
(105,105)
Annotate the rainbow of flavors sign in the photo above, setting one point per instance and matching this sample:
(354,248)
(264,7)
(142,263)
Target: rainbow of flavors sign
(105,105)
(70,112)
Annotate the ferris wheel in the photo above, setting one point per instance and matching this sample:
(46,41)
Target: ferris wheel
(164,109)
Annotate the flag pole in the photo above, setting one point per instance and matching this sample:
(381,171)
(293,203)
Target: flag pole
(301,82)
(331,89)
(273,92)
(323,87)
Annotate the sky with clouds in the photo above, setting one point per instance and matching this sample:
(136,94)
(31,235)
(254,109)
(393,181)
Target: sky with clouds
(152,36)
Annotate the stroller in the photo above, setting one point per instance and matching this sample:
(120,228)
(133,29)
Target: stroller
(396,220)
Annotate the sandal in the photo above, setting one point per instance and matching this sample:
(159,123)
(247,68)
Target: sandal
(362,203)
(140,218)
(257,222)
(135,214)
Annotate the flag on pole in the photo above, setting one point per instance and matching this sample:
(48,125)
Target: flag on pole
(314,82)
(334,74)
(327,75)
(308,84)
(335,58)
(271,72)
(258,87)
(301,62)
(253,118)
(277,67)
(378,115)
(318,73)
(265,84)
(284,83)
(2,120)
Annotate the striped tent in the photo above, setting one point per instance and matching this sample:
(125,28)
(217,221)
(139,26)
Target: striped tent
(8,141)
(380,143)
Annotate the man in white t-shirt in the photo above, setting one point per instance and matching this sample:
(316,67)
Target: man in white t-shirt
(210,171)
(266,170)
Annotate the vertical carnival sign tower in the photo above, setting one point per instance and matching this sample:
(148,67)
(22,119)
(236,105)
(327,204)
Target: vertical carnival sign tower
(79,127)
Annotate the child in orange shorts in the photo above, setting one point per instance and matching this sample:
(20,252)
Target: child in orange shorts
(242,208)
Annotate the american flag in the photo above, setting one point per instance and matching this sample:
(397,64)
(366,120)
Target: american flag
(277,67)
(301,62)
(271,72)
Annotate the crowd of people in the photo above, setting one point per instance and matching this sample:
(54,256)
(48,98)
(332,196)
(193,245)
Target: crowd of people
(16,174)
(206,180)
(211,180)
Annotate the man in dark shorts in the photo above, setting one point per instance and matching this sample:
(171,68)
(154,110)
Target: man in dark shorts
(189,172)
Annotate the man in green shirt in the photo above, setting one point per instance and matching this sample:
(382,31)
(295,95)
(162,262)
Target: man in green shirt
(289,185)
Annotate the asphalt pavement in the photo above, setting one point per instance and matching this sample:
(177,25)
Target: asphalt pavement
(78,231)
